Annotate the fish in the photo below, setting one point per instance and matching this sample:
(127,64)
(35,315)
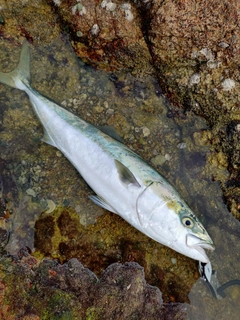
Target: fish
(122,181)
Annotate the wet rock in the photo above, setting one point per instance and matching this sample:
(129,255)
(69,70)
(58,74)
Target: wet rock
(106,33)
(194,69)
(227,144)
(29,19)
(49,289)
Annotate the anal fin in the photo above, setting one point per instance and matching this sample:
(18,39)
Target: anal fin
(47,139)
(101,203)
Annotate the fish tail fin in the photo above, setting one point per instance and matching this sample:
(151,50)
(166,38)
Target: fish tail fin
(21,74)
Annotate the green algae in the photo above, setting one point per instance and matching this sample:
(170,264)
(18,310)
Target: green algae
(54,304)
(91,314)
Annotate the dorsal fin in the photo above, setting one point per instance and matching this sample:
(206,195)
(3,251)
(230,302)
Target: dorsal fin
(110,131)
(125,175)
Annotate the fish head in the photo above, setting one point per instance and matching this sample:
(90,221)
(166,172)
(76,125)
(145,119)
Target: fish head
(196,236)
(166,218)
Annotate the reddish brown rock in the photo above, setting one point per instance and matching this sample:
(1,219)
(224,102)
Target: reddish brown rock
(32,20)
(106,33)
(196,49)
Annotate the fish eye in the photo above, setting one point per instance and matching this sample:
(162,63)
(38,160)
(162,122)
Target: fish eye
(188,222)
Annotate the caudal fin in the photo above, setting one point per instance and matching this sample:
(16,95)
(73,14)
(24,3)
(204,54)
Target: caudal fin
(21,74)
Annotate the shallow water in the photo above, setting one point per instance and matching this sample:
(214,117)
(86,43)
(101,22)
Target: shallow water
(175,143)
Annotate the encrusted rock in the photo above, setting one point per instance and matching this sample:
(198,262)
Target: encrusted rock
(188,45)
(195,46)
(50,290)
(106,33)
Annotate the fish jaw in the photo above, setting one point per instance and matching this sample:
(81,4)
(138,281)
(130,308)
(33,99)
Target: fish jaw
(198,244)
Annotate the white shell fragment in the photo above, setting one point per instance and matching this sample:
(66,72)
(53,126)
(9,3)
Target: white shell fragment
(127,10)
(126,6)
(181,145)
(146,131)
(51,206)
(128,15)
(108,5)
(223,45)
(194,79)
(57,2)
(79,8)
(228,84)
(207,53)
(95,29)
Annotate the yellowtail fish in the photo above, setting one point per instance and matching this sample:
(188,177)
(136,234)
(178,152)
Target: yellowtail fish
(123,182)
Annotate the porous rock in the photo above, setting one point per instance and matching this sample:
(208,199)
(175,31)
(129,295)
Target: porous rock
(30,287)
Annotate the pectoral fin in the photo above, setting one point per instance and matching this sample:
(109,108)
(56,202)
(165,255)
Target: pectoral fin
(125,175)
(101,203)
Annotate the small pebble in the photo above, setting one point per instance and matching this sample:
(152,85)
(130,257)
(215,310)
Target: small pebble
(181,145)
(228,84)
(158,160)
(194,79)
(168,157)
(31,192)
(95,29)
(146,131)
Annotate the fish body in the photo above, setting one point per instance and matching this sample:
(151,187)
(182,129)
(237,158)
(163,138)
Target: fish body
(123,182)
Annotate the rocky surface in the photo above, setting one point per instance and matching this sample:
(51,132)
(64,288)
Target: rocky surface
(194,48)
(30,289)
(106,33)
(61,236)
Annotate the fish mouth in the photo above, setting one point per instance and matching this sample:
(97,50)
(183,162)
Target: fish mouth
(200,243)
